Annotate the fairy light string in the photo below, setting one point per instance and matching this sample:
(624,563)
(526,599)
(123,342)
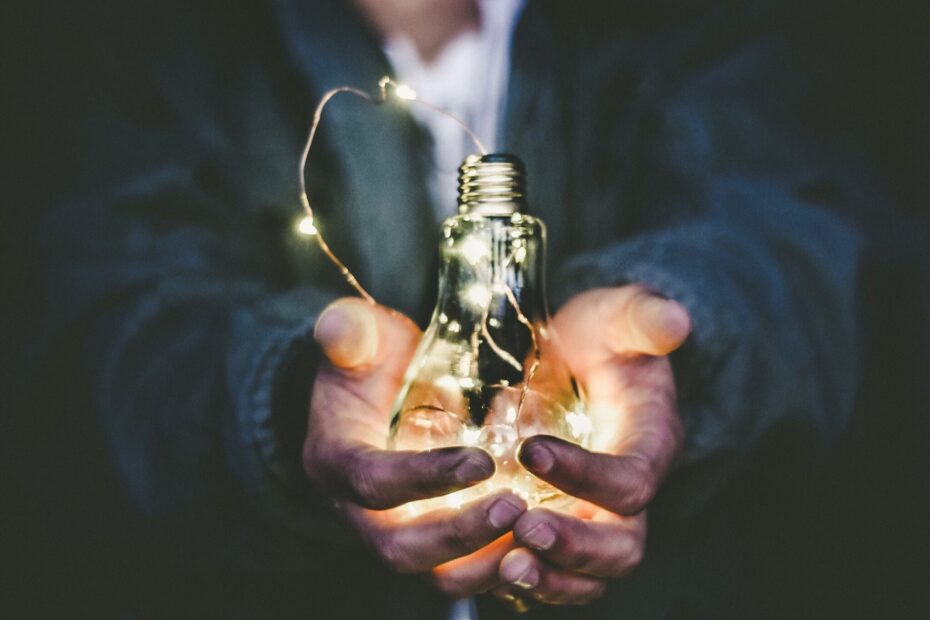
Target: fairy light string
(386,88)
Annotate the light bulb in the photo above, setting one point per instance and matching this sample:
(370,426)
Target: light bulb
(488,372)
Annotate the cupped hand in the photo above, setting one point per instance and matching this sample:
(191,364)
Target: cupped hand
(616,342)
(367,349)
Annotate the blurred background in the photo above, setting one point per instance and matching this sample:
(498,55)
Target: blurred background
(854,541)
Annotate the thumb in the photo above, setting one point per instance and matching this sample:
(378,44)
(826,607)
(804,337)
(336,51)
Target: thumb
(643,322)
(356,334)
(347,331)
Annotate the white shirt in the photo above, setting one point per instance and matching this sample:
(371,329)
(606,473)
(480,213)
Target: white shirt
(469,78)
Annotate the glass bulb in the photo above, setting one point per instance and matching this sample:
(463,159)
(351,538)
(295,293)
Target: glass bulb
(488,372)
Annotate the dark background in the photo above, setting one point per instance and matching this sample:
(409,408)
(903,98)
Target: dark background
(851,541)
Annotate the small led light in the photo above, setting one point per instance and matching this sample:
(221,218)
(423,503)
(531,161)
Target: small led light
(448,383)
(511,415)
(306,227)
(579,423)
(478,295)
(473,250)
(470,436)
(405,92)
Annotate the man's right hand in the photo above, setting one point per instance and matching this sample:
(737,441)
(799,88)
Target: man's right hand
(368,349)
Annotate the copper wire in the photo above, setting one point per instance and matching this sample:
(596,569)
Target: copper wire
(305,201)
(383,85)
(386,82)
(537,355)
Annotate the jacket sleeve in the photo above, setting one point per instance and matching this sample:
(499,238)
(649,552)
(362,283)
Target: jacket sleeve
(757,232)
(195,337)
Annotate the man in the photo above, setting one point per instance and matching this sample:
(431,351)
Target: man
(666,151)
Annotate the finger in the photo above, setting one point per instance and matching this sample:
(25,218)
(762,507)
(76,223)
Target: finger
(526,572)
(638,320)
(355,401)
(633,405)
(632,319)
(381,479)
(621,484)
(419,544)
(610,546)
(354,333)
(347,332)
(474,573)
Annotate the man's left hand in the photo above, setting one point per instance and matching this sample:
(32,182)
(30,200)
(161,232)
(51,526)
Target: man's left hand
(616,342)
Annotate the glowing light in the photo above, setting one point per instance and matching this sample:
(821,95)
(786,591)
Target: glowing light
(306,226)
(493,322)
(405,92)
(473,250)
(511,415)
(478,295)
(579,423)
(525,487)
(454,500)
(422,422)
(499,440)
(470,436)
(455,327)
(461,365)
(447,382)
(443,318)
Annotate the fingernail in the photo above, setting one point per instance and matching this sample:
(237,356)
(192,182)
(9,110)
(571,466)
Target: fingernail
(330,321)
(503,513)
(473,469)
(519,571)
(528,580)
(541,536)
(537,458)
(675,320)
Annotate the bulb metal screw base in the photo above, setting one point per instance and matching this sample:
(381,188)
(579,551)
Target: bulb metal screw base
(492,185)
